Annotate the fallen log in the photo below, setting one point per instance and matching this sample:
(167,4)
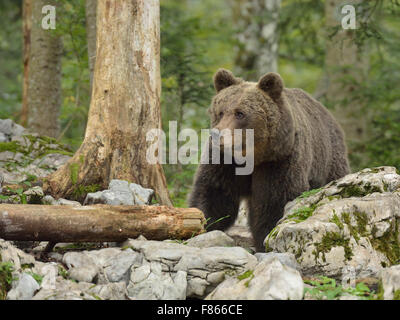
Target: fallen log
(97,223)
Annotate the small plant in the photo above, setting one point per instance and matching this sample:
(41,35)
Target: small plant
(63,273)
(327,288)
(6,269)
(36,276)
(309,193)
(216,221)
(302,213)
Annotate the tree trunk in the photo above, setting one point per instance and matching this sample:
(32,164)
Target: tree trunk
(26,29)
(91,13)
(257,23)
(44,74)
(98,223)
(125,104)
(344,60)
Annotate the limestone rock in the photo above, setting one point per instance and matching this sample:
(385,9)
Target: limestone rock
(391,283)
(348,226)
(121,192)
(270,280)
(24,288)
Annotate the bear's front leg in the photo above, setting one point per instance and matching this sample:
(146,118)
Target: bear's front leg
(216,192)
(273,186)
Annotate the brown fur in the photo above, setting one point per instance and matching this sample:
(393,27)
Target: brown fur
(298,146)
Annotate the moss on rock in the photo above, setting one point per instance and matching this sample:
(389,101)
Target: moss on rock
(330,240)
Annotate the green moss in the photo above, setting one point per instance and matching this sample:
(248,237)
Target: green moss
(79,246)
(13,146)
(371,189)
(360,229)
(381,291)
(81,191)
(396,295)
(246,275)
(362,222)
(388,244)
(302,213)
(335,219)
(358,190)
(36,276)
(330,240)
(6,269)
(74,171)
(62,272)
(309,193)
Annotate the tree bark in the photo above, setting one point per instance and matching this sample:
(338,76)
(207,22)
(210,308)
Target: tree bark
(44,74)
(91,13)
(26,29)
(125,104)
(257,36)
(343,60)
(97,223)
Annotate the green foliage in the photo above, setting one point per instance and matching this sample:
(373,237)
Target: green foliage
(11,58)
(71,25)
(309,193)
(36,276)
(197,37)
(6,269)
(194,43)
(327,288)
(302,213)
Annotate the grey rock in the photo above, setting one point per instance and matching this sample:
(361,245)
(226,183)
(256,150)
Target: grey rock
(109,197)
(287,259)
(77,260)
(52,160)
(390,278)
(120,192)
(24,288)
(66,290)
(270,280)
(6,126)
(148,282)
(3,137)
(103,257)
(60,202)
(120,265)
(110,291)
(10,253)
(354,212)
(142,195)
(83,274)
(81,266)
(205,267)
(211,239)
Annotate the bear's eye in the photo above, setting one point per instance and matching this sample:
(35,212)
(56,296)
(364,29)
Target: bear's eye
(239,115)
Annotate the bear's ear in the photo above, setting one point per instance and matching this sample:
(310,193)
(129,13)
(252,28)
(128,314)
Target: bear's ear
(272,84)
(224,79)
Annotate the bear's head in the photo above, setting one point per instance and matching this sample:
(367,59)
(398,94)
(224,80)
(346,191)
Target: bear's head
(259,106)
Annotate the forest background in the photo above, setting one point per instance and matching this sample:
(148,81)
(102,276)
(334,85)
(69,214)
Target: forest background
(355,73)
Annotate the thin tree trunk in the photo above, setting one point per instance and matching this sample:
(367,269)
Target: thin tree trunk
(257,24)
(44,87)
(344,60)
(26,29)
(98,223)
(91,12)
(125,104)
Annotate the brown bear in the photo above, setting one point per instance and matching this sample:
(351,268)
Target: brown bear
(298,146)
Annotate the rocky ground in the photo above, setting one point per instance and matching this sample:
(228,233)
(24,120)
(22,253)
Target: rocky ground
(337,242)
